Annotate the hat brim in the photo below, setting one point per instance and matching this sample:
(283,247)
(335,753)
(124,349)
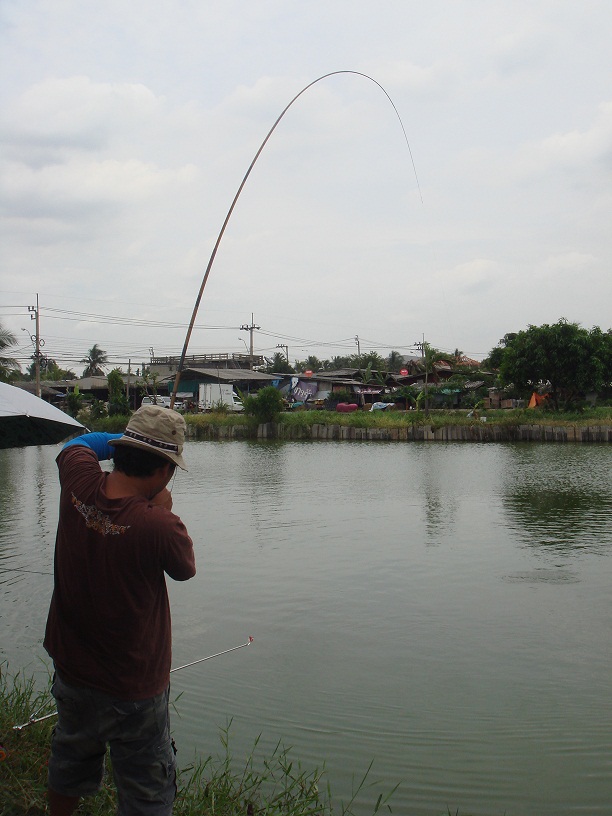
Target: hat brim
(176,458)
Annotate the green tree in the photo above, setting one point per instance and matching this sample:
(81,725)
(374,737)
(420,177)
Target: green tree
(370,358)
(74,401)
(565,359)
(54,372)
(265,406)
(95,361)
(97,409)
(117,399)
(395,361)
(339,362)
(279,365)
(148,384)
(494,359)
(366,374)
(406,394)
(311,363)
(9,367)
(49,370)
(429,360)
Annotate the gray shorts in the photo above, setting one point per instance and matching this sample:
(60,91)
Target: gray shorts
(141,750)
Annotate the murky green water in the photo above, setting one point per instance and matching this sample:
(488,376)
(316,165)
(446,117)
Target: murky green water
(443,610)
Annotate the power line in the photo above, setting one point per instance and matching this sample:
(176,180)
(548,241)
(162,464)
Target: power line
(125,350)
(89,317)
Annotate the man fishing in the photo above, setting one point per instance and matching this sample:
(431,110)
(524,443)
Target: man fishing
(108,629)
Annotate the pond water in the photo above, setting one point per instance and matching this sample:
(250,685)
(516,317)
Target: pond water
(443,610)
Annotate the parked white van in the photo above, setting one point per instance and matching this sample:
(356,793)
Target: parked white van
(211,395)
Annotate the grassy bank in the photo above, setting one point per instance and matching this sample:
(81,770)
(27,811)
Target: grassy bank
(211,786)
(198,424)
(441,418)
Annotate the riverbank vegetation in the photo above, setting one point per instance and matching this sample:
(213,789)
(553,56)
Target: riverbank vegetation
(221,785)
(200,425)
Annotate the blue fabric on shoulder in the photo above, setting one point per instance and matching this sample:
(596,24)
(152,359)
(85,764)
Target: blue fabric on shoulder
(97,441)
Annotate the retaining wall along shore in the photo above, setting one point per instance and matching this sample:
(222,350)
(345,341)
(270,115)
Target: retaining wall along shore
(481,432)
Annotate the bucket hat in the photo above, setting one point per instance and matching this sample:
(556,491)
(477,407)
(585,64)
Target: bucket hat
(157,430)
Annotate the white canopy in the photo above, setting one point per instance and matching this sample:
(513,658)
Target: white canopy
(28,420)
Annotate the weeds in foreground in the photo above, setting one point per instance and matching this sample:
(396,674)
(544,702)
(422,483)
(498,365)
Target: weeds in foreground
(273,785)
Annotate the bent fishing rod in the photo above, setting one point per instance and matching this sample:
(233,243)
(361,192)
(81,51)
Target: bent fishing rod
(179,369)
(34,719)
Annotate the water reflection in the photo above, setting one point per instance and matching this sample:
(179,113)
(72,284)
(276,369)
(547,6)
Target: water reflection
(561,509)
(264,474)
(562,521)
(442,609)
(8,512)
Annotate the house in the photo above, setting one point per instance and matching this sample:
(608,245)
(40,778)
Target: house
(51,391)
(319,387)
(55,391)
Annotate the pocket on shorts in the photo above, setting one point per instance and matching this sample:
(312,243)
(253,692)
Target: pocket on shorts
(70,704)
(148,718)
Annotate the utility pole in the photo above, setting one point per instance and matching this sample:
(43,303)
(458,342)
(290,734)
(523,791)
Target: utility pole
(34,315)
(420,344)
(250,329)
(358,346)
(280,345)
(423,345)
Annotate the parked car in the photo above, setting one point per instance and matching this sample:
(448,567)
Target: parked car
(163,401)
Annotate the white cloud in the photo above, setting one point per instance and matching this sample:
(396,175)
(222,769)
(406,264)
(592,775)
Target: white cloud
(75,112)
(573,262)
(475,276)
(573,150)
(126,132)
(80,182)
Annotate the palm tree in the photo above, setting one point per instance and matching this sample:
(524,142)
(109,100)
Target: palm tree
(8,366)
(395,361)
(339,362)
(311,363)
(431,356)
(95,361)
(279,365)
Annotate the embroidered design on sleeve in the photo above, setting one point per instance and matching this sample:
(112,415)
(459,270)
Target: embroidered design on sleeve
(97,520)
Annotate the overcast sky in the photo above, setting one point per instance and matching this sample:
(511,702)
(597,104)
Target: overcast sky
(126,129)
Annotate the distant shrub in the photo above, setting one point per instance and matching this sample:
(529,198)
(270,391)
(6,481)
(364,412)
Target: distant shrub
(265,406)
(97,409)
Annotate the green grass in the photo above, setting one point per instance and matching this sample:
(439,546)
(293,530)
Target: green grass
(441,417)
(213,786)
(200,425)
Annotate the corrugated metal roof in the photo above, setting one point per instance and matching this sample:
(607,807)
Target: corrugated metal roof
(229,374)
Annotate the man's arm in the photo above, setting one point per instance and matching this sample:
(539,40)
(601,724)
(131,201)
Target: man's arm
(163,499)
(98,442)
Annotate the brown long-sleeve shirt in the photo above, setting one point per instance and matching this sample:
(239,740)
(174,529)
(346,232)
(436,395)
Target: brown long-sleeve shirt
(109,625)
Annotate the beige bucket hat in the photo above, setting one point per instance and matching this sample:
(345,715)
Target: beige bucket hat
(157,430)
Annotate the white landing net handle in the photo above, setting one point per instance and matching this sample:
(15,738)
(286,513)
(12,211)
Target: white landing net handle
(210,657)
(34,719)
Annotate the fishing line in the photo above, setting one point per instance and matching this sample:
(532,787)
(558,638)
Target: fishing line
(35,719)
(243,182)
